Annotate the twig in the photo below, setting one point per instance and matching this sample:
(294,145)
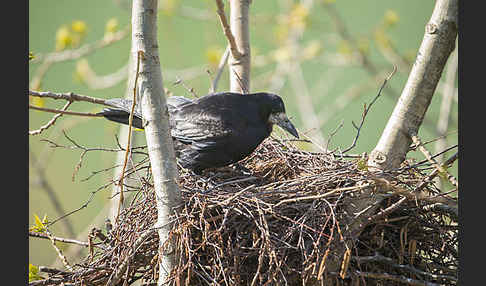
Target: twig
(401,279)
(59,252)
(70,96)
(190,89)
(334,133)
(60,112)
(130,123)
(446,104)
(227,30)
(416,140)
(51,122)
(435,172)
(338,190)
(387,210)
(363,58)
(221,65)
(240,82)
(55,238)
(120,270)
(51,270)
(420,196)
(380,258)
(366,110)
(246,179)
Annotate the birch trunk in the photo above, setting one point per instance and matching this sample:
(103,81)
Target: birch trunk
(239,66)
(405,121)
(437,45)
(157,132)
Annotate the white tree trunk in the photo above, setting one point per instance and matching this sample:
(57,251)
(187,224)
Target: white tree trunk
(438,43)
(157,132)
(239,67)
(405,121)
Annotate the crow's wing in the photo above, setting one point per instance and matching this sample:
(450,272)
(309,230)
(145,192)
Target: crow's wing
(205,130)
(124,105)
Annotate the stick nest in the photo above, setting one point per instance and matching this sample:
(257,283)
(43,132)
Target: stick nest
(296,220)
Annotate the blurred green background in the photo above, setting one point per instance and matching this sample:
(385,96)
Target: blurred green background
(191,41)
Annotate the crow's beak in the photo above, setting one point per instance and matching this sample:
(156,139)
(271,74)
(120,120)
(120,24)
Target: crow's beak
(283,121)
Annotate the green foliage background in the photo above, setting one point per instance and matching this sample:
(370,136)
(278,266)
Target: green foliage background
(186,42)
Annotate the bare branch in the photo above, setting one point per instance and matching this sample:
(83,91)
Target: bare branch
(59,112)
(58,251)
(227,30)
(51,122)
(60,239)
(366,110)
(70,96)
(221,65)
(440,168)
(189,89)
(140,56)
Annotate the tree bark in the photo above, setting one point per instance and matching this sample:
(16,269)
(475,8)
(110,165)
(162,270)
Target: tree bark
(239,65)
(437,44)
(405,121)
(157,131)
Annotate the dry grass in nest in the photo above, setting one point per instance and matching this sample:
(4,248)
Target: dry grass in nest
(281,226)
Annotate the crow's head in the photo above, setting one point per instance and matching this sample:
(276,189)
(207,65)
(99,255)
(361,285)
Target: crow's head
(278,115)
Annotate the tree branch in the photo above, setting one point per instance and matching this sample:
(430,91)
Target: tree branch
(60,239)
(70,96)
(227,30)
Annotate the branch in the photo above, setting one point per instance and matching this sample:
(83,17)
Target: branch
(448,91)
(129,141)
(363,58)
(396,278)
(70,96)
(120,270)
(55,238)
(58,251)
(366,110)
(439,167)
(59,112)
(435,172)
(51,122)
(221,65)
(227,30)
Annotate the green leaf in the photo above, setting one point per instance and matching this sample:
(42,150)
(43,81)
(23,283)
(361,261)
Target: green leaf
(39,225)
(34,273)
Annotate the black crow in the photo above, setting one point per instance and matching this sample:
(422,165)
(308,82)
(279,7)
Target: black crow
(214,130)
